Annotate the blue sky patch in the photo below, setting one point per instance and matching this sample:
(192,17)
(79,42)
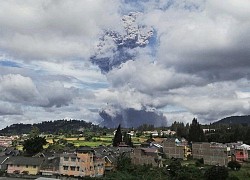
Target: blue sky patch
(9,64)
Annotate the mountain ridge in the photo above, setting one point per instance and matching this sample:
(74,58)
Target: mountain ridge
(244,119)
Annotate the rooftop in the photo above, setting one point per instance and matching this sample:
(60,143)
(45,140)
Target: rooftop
(21,160)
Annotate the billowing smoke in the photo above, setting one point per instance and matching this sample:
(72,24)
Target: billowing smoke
(130,117)
(116,48)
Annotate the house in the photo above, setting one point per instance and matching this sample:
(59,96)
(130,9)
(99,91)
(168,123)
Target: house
(81,163)
(167,132)
(110,162)
(3,160)
(142,156)
(9,151)
(239,150)
(212,153)
(24,165)
(208,130)
(241,154)
(174,148)
(109,155)
(50,166)
(153,133)
(247,147)
(5,141)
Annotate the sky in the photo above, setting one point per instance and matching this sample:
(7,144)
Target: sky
(195,61)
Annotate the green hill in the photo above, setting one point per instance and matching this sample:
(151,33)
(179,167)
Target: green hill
(235,120)
(57,126)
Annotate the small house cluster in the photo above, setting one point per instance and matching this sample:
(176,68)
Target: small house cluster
(79,163)
(212,153)
(6,141)
(94,162)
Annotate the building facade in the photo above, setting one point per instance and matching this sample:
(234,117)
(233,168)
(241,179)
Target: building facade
(241,154)
(24,165)
(82,163)
(173,148)
(150,156)
(212,153)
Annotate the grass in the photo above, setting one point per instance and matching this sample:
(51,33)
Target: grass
(19,147)
(90,143)
(96,141)
(243,173)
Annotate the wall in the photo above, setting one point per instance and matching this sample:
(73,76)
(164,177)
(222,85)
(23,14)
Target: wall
(30,169)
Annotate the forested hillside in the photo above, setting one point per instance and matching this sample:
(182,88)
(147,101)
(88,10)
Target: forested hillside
(57,126)
(235,120)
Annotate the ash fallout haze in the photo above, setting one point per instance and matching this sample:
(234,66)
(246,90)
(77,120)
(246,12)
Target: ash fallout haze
(124,61)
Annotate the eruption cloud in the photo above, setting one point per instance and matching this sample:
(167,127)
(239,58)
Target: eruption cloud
(114,49)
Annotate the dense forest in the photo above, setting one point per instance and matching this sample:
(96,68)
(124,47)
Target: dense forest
(57,126)
(216,132)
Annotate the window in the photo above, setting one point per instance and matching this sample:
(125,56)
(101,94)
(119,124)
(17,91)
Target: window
(241,153)
(34,166)
(65,168)
(66,158)
(27,166)
(72,168)
(18,165)
(77,168)
(73,159)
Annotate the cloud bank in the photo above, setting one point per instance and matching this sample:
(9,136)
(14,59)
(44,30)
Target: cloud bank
(66,59)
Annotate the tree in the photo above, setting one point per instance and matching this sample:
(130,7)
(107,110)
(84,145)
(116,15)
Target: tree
(234,165)
(88,137)
(127,139)
(199,162)
(188,173)
(34,132)
(118,136)
(247,136)
(123,162)
(174,167)
(216,173)
(196,133)
(34,145)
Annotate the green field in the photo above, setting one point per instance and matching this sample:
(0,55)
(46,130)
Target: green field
(93,142)
(90,143)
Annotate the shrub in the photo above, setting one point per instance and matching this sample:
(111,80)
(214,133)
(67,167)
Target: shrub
(234,165)
(216,173)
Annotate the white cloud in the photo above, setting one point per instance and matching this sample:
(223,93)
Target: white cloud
(150,78)
(54,29)
(9,109)
(199,62)
(17,88)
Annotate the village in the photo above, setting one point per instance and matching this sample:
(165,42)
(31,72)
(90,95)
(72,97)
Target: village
(85,161)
